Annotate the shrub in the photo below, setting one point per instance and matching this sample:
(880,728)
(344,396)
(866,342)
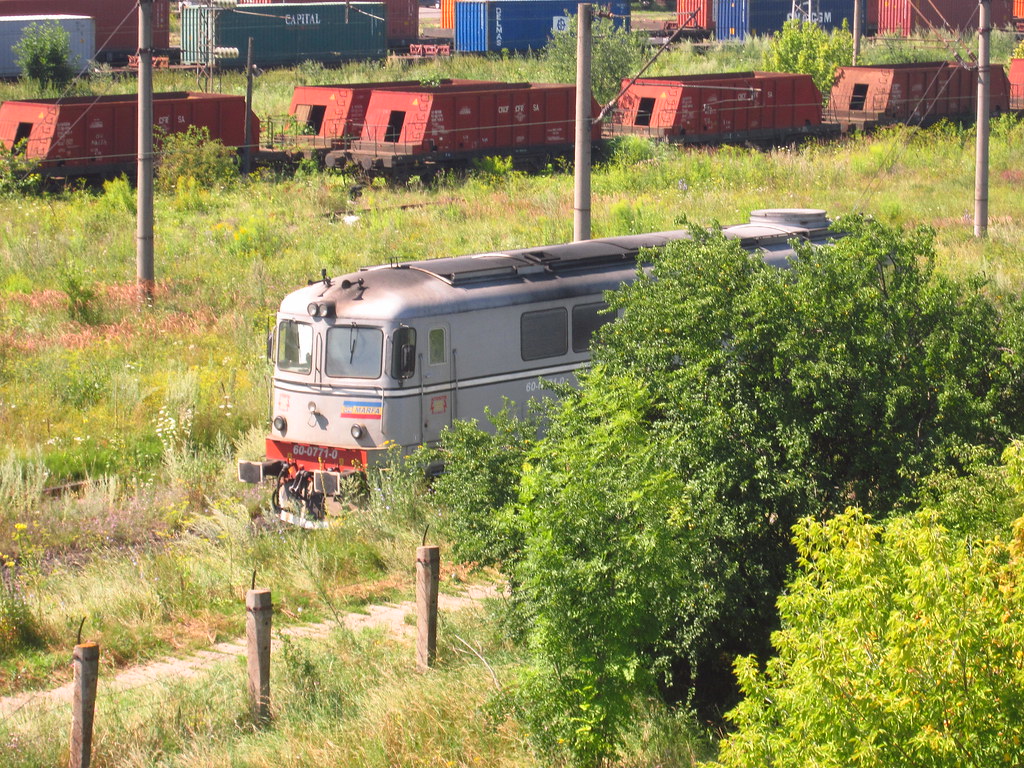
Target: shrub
(480,481)
(807,49)
(615,54)
(900,645)
(44,54)
(194,156)
(18,175)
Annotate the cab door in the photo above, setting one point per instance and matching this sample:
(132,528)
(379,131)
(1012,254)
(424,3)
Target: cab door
(437,402)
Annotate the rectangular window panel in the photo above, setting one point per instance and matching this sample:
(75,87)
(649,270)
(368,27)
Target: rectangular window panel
(437,354)
(586,319)
(544,333)
(294,346)
(354,351)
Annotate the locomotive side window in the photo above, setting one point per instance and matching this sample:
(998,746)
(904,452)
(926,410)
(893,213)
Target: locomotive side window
(586,319)
(544,333)
(294,346)
(354,351)
(436,353)
(403,349)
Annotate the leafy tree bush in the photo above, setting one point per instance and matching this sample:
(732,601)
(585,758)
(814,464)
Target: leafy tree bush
(44,54)
(480,482)
(900,645)
(615,54)
(18,175)
(807,49)
(191,157)
(731,400)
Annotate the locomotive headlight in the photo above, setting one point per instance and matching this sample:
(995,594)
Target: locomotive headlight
(357,431)
(280,424)
(319,310)
(312,407)
(313,309)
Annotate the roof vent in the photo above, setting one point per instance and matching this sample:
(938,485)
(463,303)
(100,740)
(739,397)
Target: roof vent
(808,218)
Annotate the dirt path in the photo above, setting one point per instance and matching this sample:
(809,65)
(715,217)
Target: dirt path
(391,617)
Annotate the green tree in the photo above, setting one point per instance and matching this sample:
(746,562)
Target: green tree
(807,49)
(44,54)
(615,54)
(900,645)
(729,401)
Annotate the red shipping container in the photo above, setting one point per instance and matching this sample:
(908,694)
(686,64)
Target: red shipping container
(336,113)
(759,106)
(453,121)
(901,17)
(402,23)
(1017,84)
(919,94)
(117,21)
(695,14)
(98,134)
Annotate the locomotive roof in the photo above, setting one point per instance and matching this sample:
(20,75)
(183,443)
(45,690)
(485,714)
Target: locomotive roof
(454,284)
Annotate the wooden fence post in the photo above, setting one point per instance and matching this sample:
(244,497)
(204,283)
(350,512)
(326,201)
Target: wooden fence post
(86,663)
(258,615)
(428,568)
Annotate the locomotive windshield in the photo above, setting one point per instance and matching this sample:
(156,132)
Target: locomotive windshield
(354,351)
(294,346)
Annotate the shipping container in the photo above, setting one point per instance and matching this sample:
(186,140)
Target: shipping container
(918,94)
(98,135)
(759,107)
(81,37)
(117,22)
(447,127)
(447,14)
(1017,84)
(695,14)
(402,25)
(520,25)
(333,115)
(903,17)
(739,19)
(1018,16)
(285,34)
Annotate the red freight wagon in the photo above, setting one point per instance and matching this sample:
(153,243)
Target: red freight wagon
(762,107)
(919,94)
(1018,15)
(447,127)
(117,21)
(401,25)
(1017,84)
(335,113)
(98,135)
(695,14)
(901,17)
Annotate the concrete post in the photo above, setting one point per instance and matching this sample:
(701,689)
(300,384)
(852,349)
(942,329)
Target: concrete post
(428,569)
(86,662)
(259,613)
(584,121)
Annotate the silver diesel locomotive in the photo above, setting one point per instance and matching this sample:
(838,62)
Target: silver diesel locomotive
(392,354)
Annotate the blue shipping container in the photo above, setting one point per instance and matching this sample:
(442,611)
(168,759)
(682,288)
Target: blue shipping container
(739,19)
(518,25)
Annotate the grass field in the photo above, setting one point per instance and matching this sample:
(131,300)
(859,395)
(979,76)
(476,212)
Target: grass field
(152,405)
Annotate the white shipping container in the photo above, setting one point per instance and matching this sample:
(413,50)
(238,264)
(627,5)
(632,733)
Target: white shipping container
(81,31)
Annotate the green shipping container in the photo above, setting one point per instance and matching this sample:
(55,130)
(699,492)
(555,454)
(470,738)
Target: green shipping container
(284,33)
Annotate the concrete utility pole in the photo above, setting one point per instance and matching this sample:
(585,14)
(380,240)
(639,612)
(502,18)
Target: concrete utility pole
(581,196)
(858,30)
(247,155)
(984,83)
(144,181)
